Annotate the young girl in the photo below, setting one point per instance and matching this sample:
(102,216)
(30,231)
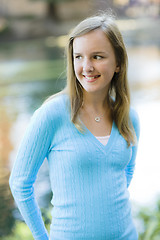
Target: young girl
(89,135)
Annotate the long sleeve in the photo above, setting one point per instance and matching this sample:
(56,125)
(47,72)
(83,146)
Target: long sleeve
(129,171)
(31,154)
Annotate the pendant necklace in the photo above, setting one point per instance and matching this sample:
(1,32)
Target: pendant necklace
(97,118)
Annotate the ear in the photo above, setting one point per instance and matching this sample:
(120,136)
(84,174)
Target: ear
(117,69)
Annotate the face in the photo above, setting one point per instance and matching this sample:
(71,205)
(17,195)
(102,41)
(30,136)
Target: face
(94,61)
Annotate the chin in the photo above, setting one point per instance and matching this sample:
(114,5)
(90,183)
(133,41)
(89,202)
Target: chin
(89,90)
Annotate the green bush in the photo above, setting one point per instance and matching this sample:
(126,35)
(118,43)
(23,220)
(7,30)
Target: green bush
(148,218)
(150,221)
(21,231)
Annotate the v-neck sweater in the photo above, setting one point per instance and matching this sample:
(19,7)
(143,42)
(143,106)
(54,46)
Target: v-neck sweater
(89,181)
(103,139)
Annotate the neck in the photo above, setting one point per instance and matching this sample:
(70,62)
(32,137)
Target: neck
(92,101)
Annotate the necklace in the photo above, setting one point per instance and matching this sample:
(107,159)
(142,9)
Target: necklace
(97,118)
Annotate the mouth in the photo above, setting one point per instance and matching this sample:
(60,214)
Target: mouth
(91,78)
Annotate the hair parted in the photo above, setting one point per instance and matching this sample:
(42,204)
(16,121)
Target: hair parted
(118,96)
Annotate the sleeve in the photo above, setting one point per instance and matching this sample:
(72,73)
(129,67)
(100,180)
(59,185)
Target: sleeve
(31,154)
(129,171)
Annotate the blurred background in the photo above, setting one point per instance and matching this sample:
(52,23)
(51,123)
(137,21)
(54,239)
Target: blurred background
(33,35)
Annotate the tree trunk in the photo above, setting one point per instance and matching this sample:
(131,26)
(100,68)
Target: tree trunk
(52,10)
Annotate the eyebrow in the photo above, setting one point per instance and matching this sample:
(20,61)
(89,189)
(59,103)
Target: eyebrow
(92,53)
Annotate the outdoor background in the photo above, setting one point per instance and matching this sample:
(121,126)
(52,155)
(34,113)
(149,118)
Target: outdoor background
(33,35)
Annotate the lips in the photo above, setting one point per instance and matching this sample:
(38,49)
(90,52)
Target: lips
(91,78)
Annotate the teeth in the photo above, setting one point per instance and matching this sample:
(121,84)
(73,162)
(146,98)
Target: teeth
(89,78)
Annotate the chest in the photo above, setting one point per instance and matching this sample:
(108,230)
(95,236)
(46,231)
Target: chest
(97,125)
(71,149)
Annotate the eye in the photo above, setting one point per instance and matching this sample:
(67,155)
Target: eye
(98,57)
(78,57)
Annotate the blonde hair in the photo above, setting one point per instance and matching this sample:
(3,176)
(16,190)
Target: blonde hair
(118,97)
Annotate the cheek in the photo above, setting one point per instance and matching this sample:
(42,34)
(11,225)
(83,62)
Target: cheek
(108,69)
(77,68)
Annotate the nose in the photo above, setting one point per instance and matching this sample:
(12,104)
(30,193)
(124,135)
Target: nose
(88,65)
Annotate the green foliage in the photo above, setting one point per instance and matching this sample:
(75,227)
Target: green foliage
(21,230)
(36,71)
(6,207)
(46,214)
(150,220)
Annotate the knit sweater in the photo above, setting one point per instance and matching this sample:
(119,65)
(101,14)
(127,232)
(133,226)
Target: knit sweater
(89,181)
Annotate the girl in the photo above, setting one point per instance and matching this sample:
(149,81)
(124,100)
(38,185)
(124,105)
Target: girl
(89,135)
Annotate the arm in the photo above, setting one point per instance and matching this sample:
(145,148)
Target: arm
(129,171)
(30,157)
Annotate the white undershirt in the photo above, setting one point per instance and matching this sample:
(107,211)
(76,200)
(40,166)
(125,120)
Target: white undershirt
(104,139)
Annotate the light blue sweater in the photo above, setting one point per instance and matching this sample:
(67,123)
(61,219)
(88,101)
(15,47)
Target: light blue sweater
(89,180)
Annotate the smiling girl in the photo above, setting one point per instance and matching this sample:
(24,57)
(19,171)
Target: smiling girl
(89,135)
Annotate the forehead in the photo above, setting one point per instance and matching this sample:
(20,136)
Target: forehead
(95,40)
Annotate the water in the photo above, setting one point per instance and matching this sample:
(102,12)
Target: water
(32,70)
(29,72)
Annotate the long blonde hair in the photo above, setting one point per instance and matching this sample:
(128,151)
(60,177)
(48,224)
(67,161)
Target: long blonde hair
(118,97)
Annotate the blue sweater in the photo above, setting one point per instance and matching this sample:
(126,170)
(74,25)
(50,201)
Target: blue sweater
(89,180)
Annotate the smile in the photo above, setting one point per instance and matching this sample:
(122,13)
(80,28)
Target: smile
(91,78)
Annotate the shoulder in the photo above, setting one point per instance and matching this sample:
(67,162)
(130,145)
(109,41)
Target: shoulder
(51,113)
(135,121)
(57,100)
(56,103)
(55,107)
(134,116)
